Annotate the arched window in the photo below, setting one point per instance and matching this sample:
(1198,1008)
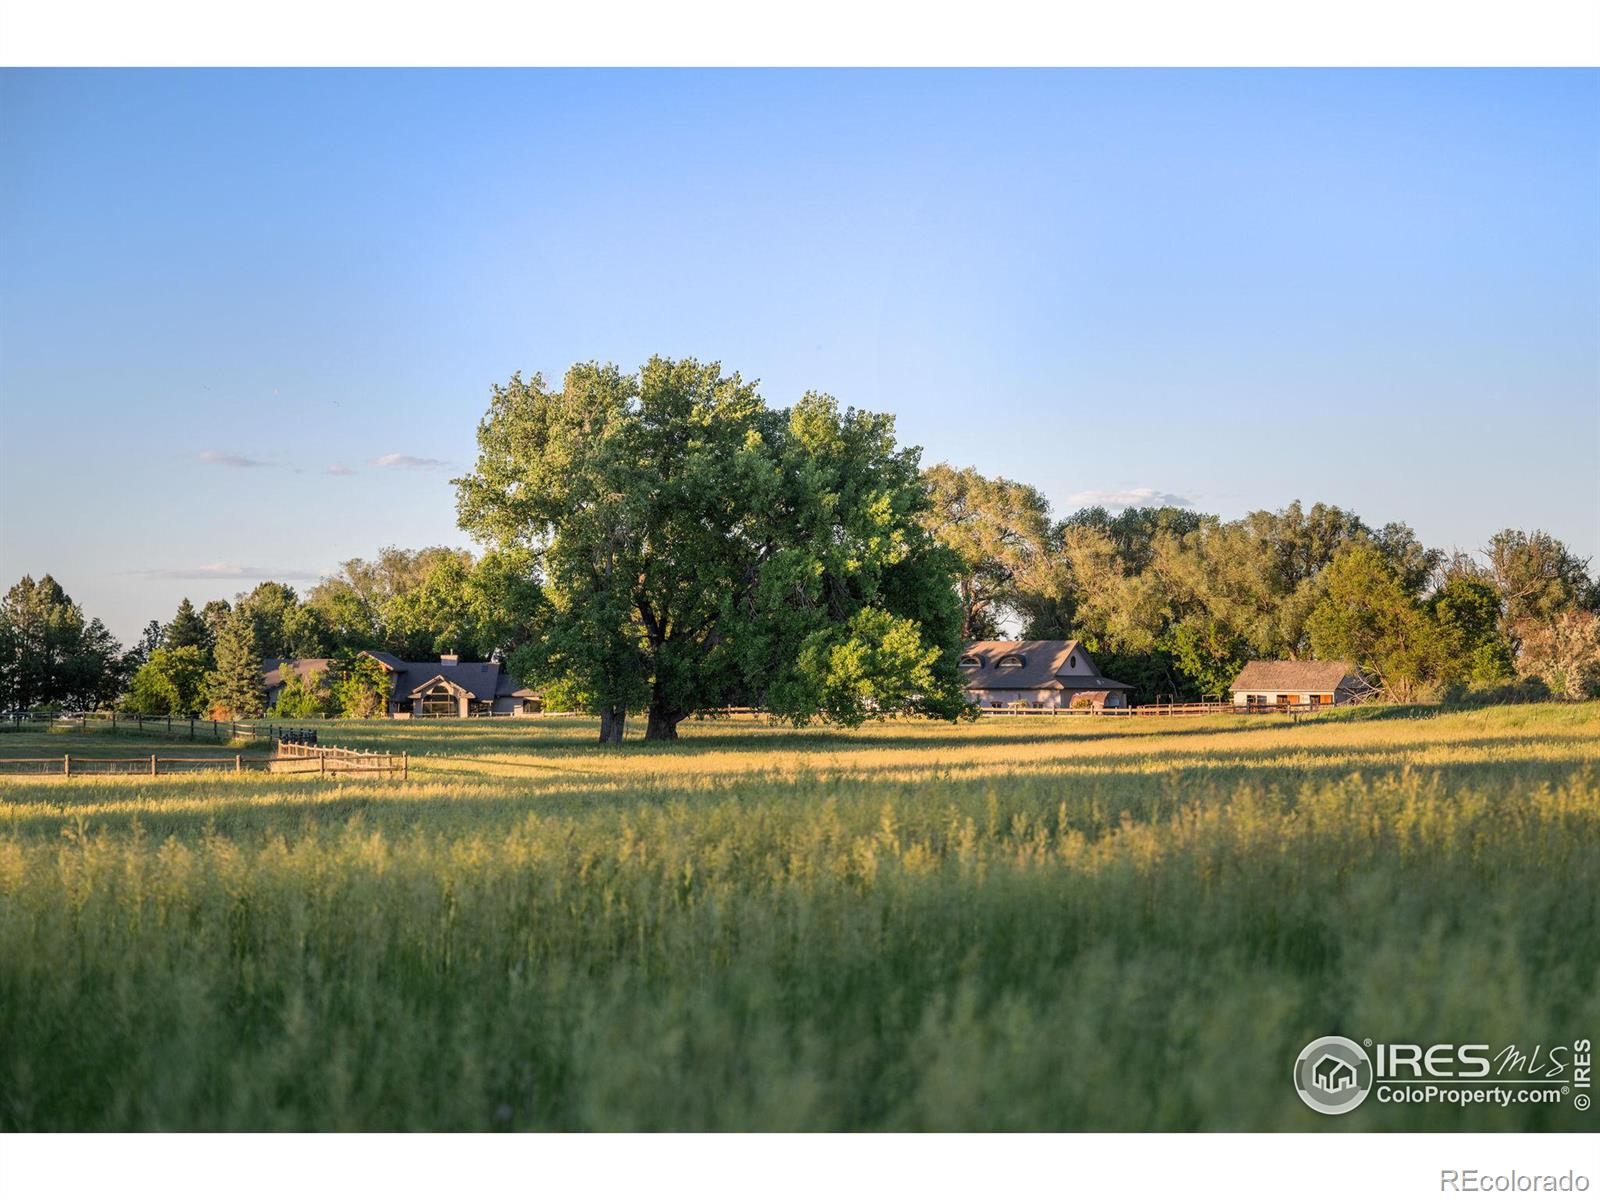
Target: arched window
(1012,660)
(971,660)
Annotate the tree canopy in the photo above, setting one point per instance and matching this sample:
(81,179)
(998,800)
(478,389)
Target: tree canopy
(1174,602)
(699,548)
(999,531)
(187,628)
(236,686)
(51,656)
(437,600)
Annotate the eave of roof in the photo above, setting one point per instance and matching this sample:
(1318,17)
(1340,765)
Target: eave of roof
(1292,675)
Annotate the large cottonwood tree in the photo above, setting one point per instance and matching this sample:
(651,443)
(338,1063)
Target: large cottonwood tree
(698,547)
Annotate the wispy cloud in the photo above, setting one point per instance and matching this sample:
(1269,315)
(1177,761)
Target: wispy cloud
(409,461)
(219,458)
(228,571)
(1139,497)
(341,469)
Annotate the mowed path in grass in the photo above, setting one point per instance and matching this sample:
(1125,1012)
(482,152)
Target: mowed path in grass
(1019,923)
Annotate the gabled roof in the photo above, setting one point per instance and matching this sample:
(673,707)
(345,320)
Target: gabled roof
(480,680)
(1290,675)
(1045,664)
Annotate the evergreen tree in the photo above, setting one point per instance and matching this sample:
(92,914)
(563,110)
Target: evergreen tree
(188,628)
(50,655)
(215,615)
(151,640)
(236,682)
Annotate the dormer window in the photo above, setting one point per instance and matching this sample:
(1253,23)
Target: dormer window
(1010,660)
(971,660)
(1072,660)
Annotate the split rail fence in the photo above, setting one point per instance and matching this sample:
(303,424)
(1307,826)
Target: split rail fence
(295,752)
(1153,710)
(191,729)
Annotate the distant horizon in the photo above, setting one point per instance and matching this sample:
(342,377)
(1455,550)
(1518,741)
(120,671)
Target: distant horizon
(224,584)
(249,319)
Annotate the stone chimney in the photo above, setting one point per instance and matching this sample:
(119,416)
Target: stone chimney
(449,660)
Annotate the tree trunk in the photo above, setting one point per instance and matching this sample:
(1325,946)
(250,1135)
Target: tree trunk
(663,723)
(612,721)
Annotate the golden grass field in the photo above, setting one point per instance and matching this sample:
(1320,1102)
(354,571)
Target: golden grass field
(1023,923)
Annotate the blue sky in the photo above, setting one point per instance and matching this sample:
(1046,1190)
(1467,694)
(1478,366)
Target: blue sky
(249,320)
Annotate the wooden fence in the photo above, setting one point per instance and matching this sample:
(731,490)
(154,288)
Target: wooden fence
(1196,709)
(176,728)
(336,760)
(291,758)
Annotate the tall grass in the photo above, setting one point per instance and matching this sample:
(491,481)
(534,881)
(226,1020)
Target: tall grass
(1081,926)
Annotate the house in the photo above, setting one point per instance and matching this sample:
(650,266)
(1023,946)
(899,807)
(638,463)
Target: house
(1045,674)
(446,688)
(1294,681)
(1333,1074)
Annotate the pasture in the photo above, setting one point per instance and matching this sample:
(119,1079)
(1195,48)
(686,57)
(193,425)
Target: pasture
(1016,924)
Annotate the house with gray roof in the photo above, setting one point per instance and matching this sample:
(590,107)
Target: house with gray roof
(446,688)
(1038,674)
(1297,681)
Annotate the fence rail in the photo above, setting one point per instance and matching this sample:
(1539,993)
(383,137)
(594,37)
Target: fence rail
(338,760)
(290,758)
(185,728)
(1196,709)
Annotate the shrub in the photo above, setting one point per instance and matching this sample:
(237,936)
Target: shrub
(306,696)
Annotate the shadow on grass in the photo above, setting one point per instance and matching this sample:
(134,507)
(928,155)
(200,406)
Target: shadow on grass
(236,807)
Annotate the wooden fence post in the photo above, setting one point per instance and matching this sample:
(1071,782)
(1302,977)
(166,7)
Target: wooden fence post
(191,729)
(152,764)
(169,722)
(238,763)
(405,764)
(66,764)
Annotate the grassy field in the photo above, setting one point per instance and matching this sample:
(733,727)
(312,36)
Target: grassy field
(1019,924)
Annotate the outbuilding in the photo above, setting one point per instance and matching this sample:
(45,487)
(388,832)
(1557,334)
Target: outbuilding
(1270,683)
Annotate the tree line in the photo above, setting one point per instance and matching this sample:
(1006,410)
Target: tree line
(1175,602)
(665,541)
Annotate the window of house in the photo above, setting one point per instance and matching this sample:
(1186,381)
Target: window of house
(968,660)
(1011,660)
(438,702)
(1072,660)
